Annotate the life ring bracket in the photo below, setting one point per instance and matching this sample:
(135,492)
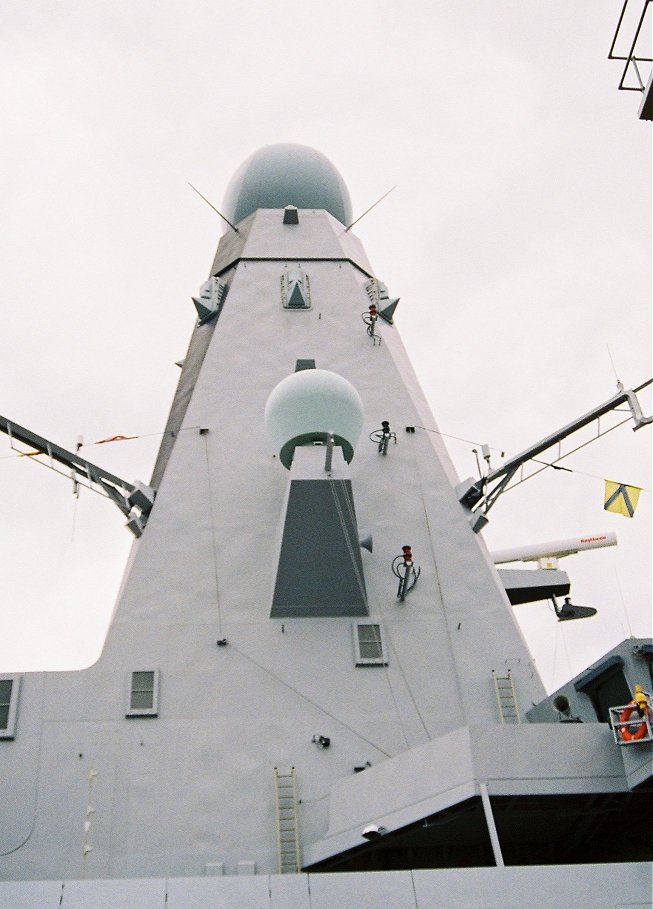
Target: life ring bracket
(629,730)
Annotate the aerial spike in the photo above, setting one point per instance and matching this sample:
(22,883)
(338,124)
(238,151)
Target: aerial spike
(367,211)
(210,204)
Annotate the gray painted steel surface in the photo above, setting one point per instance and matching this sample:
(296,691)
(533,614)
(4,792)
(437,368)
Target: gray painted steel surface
(580,886)
(90,793)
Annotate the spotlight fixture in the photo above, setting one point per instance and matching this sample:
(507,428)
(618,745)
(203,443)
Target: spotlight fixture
(373,832)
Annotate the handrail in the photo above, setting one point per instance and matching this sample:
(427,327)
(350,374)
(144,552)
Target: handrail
(631,58)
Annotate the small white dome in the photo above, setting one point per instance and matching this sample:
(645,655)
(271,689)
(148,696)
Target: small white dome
(310,405)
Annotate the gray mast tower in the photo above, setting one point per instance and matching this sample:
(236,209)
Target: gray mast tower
(313,664)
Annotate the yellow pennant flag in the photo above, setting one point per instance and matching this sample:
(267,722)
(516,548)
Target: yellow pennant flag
(620,498)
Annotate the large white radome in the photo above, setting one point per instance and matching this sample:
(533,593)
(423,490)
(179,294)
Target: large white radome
(287,174)
(310,405)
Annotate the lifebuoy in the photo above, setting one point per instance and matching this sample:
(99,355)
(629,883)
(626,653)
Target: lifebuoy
(625,732)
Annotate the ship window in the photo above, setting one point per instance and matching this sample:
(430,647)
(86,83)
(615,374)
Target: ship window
(9,686)
(368,645)
(144,693)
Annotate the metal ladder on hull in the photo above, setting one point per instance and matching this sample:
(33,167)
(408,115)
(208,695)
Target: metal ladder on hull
(506,697)
(287,827)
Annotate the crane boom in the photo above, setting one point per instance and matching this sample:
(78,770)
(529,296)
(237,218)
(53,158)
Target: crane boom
(133,499)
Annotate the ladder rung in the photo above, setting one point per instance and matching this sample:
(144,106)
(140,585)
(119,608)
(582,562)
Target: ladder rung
(287,834)
(506,698)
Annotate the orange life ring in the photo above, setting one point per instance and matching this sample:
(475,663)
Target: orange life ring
(625,732)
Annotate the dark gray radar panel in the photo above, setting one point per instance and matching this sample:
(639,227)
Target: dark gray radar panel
(320,571)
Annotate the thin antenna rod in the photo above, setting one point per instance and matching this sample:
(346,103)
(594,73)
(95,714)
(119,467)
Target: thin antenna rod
(614,368)
(370,208)
(232,226)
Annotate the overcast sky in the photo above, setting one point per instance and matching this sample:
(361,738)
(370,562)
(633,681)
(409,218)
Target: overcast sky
(518,238)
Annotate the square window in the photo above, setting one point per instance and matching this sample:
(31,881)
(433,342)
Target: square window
(144,699)
(9,688)
(5,700)
(368,645)
(144,693)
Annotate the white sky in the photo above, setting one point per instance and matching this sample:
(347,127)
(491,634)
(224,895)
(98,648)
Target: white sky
(519,240)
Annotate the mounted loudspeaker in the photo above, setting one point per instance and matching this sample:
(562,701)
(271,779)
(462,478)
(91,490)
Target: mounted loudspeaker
(366,543)
(561,705)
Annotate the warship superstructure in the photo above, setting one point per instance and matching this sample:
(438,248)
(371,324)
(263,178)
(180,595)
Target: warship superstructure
(314,690)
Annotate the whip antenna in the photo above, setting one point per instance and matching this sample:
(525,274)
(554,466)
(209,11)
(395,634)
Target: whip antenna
(232,226)
(368,210)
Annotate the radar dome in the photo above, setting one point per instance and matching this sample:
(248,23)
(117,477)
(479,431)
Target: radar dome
(279,175)
(309,406)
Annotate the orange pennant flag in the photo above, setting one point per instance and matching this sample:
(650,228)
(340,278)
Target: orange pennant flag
(115,439)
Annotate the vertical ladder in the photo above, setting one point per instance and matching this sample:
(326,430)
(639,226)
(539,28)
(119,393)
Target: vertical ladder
(287,828)
(506,698)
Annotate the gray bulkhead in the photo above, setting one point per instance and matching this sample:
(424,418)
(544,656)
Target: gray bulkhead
(95,793)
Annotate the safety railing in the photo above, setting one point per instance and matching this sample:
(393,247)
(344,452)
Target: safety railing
(632,59)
